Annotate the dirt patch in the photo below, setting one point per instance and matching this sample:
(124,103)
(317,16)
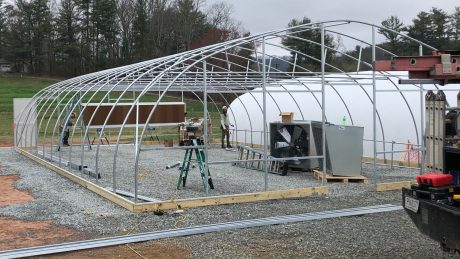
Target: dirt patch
(153,249)
(6,142)
(18,234)
(10,195)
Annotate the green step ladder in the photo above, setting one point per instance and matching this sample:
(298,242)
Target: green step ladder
(200,158)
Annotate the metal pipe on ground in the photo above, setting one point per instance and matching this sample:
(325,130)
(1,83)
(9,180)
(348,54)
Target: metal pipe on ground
(142,237)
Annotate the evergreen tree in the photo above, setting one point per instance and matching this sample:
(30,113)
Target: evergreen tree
(5,12)
(431,28)
(440,31)
(67,29)
(191,23)
(140,31)
(85,10)
(421,25)
(307,46)
(105,33)
(2,28)
(83,36)
(454,25)
(392,23)
(32,32)
(41,34)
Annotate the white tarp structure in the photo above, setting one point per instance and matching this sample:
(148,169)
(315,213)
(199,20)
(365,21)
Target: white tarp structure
(19,104)
(398,112)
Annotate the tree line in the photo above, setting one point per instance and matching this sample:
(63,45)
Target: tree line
(436,28)
(76,37)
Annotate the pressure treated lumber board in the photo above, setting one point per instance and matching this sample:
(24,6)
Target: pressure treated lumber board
(182,203)
(380,187)
(344,179)
(231,199)
(87,184)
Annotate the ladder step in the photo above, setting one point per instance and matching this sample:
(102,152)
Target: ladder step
(247,154)
(200,158)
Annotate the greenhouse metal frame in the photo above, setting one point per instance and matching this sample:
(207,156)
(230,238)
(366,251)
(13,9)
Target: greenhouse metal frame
(217,70)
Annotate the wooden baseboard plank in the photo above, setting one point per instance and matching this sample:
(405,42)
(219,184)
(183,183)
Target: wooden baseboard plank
(117,199)
(182,203)
(231,199)
(380,187)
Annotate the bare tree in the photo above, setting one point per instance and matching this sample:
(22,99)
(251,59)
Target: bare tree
(125,14)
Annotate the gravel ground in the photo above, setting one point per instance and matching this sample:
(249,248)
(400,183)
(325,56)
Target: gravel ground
(377,236)
(386,235)
(158,183)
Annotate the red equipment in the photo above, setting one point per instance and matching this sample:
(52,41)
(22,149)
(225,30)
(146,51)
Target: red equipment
(442,67)
(434,179)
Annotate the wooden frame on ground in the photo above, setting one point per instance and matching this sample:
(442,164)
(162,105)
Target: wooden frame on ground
(182,203)
(343,179)
(392,186)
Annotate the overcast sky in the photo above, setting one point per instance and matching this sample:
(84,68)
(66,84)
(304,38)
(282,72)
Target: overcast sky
(264,15)
(259,16)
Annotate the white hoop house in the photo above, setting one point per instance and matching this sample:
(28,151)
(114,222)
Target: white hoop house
(398,111)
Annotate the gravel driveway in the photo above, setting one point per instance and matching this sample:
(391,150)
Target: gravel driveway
(385,235)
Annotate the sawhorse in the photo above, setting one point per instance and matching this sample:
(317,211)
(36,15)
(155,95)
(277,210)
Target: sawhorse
(152,135)
(98,132)
(200,158)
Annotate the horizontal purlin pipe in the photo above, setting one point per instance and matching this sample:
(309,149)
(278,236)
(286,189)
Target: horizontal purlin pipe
(127,239)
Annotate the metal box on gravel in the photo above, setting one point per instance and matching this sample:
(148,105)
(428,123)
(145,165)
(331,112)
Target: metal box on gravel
(344,145)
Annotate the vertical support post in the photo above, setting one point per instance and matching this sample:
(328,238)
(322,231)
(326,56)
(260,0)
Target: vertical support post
(256,54)
(293,66)
(35,133)
(422,124)
(61,133)
(81,127)
(247,71)
(359,58)
(16,126)
(409,148)
(392,153)
(269,66)
(58,102)
(32,133)
(323,105)
(374,108)
(205,130)
(235,137)
(82,151)
(64,129)
(136,151)
(35,120)
(26,132)
(264,95)
(261,136)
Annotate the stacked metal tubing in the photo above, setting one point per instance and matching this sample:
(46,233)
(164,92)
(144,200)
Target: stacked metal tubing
(195,71)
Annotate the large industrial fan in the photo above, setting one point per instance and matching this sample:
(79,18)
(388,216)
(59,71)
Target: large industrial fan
(290,140)
(344,146)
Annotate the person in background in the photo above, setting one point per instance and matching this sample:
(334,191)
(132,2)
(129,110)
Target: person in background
(225,127)
(65,138)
